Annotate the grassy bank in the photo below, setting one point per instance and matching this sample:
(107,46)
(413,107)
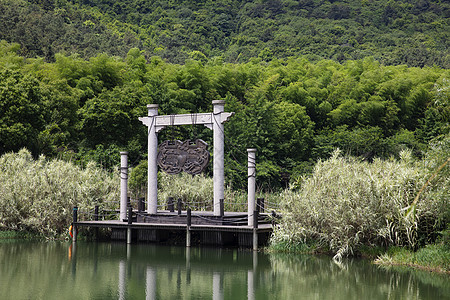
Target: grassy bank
(434,258)
(6,235)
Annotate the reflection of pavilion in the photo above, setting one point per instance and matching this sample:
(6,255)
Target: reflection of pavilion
(218,277)
(160,272)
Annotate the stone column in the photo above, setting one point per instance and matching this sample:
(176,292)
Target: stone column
(218,171)
(152,193)
(251,184)
(123,184)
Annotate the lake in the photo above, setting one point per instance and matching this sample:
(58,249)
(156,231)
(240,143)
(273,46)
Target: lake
(62,270)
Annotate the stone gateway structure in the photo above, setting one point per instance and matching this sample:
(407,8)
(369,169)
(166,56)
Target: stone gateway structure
(213,121)
(209,228)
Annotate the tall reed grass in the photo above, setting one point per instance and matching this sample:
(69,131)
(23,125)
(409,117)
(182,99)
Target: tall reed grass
(348,203)
(195,191)
(39,195)
(198,193)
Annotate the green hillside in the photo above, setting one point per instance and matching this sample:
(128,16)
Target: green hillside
(411,32)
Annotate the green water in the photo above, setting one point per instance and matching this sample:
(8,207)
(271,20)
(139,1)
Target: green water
(55,270)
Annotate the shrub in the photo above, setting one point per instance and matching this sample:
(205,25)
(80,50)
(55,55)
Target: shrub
(348,202)
(39,195)
(432,257)
(198,193)
(194,190)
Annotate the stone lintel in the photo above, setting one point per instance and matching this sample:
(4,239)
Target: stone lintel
(184,119)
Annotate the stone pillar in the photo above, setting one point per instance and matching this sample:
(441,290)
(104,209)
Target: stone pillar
(251,184)
(218,171)
(123,184)
(152,193)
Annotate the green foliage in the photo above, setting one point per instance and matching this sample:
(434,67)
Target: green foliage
(293,247)
(367,142)
(107,158)
(137,182)
(434,256)
(196,191)
(9,57)
(394,33)
(8,235)
(292,111)
(347,203)
(44,30)
(431,257)
(435,158)
(21,110)
(38,195)
(303,78)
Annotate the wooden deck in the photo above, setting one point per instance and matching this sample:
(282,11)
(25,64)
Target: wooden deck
(205,229)
(173,226)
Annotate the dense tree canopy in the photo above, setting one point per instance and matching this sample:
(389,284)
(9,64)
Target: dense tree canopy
(21,111)
(292,110)
(411,32)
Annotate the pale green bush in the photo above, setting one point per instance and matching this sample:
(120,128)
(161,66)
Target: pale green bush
(348,202)
(237,200)
(39,195)
(198,192)
(437,158)
(193,190)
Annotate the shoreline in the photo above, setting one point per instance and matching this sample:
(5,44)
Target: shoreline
(436,270)
(393,257)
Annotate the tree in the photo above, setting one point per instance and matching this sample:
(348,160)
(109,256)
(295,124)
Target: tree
(21,112)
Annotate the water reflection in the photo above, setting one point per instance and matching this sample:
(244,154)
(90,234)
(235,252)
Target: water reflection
(120,271)
(217,286)
(161,263)
(73,257)
(150,284)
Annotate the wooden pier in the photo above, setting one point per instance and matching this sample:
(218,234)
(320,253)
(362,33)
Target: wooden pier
(217,227)
(191,228)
